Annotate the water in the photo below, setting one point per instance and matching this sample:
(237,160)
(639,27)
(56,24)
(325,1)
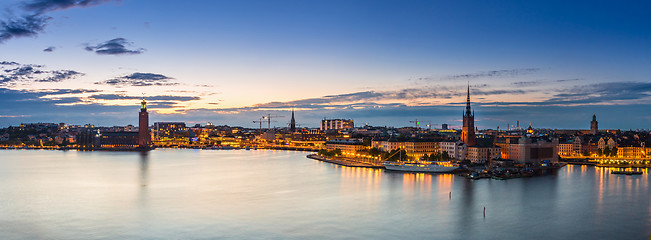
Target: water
(208,194)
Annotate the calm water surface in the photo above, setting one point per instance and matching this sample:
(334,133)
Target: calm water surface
(207,194)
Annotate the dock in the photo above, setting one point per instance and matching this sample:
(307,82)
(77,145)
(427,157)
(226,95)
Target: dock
(346,161)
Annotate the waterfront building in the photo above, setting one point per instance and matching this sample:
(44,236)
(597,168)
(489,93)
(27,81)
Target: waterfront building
(610,143)
(570,146)
(594,125)
(468,129)
(413,148)
(529,150)
(127,140)
(171,133)
(346,146)
(482,154)
(456,150)
(144,138)
(337,124)
(565,149)
(631,152)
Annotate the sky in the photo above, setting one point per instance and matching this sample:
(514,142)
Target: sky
(552,64)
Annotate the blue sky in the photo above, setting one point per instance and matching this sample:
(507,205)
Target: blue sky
(549,63)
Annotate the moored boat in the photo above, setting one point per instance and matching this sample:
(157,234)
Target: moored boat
(627,172)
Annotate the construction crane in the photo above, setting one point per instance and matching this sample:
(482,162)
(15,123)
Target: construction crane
(269,117)
(429,125)
(260,121)
(416,122)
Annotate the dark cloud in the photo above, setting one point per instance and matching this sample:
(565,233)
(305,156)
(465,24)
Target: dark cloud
(31,106)
(603,93)
(33,20)
(526,83)
(495,73)
(58,76)
(116,46)
(42,6)
(371,99)
(140,80)
(591,94)
(13,72)
(66,91)
(49,49)
(568,80)
(149,98)
(27,26)
(497,92)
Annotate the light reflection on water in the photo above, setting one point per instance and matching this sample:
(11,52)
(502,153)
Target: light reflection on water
(189,194)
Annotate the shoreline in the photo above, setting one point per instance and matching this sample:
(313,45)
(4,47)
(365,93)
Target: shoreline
(344,162)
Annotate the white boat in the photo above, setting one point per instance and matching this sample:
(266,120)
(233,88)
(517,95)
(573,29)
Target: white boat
(433,167)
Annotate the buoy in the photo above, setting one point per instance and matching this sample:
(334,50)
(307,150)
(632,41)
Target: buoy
(484,211)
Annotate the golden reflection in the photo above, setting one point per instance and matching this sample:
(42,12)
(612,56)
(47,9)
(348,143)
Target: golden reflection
(356,179)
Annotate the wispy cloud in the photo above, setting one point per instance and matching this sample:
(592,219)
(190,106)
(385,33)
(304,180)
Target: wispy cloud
(9,63)
(568,80)
(494,73)
(149,98)
(603,93)
(42,6)
(49,49)
(13,72)
(139,79)
(33,20)
(116,46)
(526,83)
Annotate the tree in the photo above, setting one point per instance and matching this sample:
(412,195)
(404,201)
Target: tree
(366,141)
(445,156)
(376,152)
(336,152)
(606,152)
(613,152)
(585,153)
(323,152)
(600,152)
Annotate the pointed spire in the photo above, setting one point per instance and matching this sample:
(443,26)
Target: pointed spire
(468,112)
(292,122)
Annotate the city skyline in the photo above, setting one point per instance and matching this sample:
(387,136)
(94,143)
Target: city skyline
(551,64)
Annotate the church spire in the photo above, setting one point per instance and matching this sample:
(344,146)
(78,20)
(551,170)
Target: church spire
(292,122)
(468,111)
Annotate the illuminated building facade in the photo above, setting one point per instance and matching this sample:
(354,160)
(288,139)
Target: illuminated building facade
(529,150)
(482,154)
(170,130)
(346,146)
(468,129)
(414,149)
(144,138)
(456,150)
(336,124)
(120,140)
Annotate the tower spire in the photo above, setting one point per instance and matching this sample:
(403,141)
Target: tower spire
(468,112)
(292,122)
(468,130)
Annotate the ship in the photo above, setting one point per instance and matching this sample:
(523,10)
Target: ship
(430,167)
